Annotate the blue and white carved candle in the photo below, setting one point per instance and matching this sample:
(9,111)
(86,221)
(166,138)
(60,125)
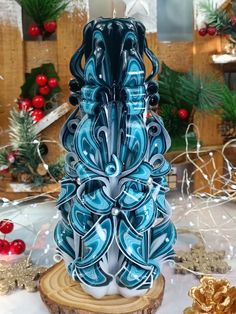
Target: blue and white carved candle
(115,230)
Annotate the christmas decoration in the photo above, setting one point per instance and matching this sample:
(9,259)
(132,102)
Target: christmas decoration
(57,169)
(23,158)
(183,114)
(218,21)
(35,92)
(4,169)
(211,31)
(11,157)
(228,130)
(115,178)
(41,170)
(37,115)
(24,104)
(50,26)
(172,99)
(22,274)
(233,20)
(212,296)
(25,178)
(41,79)
(34,30)
(228,104)
(4,246)
(44,13)
(44,90)
(22,138)
(38,101)
(201,262)
(52,82)
(17,246)
(202,31)
(6,226)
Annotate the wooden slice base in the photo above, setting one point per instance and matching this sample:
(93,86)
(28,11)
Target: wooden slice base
(62,295)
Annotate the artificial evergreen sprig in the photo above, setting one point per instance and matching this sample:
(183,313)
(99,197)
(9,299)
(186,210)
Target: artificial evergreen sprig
(203,93)
(42,11)
(24,139)
(229,105)
(218,21)
(215,17)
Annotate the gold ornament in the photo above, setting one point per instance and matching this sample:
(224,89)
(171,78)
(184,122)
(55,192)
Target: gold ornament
(41,170)
(22,274)
(212,296)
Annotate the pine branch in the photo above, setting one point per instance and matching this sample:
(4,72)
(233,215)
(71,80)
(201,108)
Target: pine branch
(173,124)
(22,137)
(215,17)
(229,105)
(169,85)
(205,94)
(43,10)
(57,169)
(3,159)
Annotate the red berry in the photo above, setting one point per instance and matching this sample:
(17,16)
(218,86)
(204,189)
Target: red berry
(6,226)
(211,31)
(202,31)
(17,246)
(183,114)
(4,246)
(4,169)
(34,30)
(11,157)
(38,101)
(50,26)
(41,79)
(233,20)
(52,82)
(37,115)
(44,90)
(25,104)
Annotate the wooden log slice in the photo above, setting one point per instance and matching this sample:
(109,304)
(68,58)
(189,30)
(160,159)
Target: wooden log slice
(62,295)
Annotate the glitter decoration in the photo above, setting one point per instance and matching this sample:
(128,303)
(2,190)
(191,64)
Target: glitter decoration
(21,274)
(212,296)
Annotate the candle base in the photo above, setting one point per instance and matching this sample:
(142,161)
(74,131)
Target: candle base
(63,295)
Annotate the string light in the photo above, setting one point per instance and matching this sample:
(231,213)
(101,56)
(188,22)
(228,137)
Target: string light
(194,209)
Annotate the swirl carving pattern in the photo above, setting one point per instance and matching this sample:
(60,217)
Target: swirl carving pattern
(115,229)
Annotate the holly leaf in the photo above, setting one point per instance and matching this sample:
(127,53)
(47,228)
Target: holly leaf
(29,89)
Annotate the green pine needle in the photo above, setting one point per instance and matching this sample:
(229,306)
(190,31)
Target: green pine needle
(43,10)
(229,105)
(214,16)
(3,157)
(57,169)
(22,138)
(204,94)
(169,85)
